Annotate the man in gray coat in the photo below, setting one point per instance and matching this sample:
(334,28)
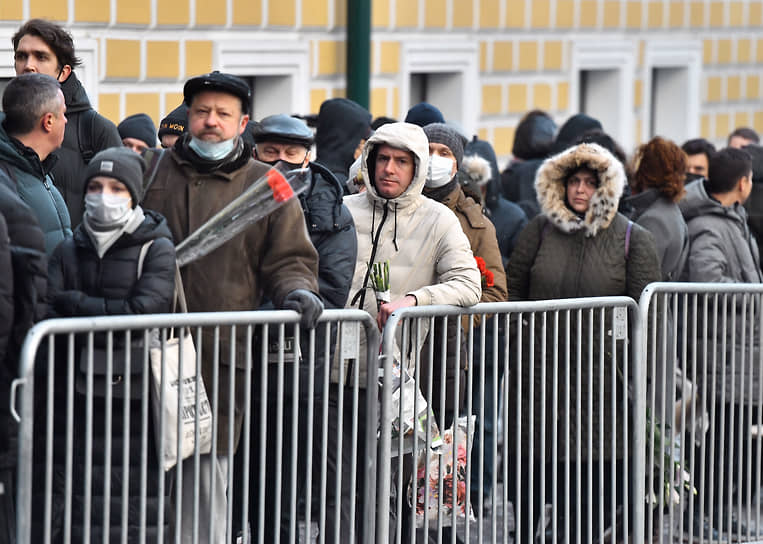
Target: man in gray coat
(722,250)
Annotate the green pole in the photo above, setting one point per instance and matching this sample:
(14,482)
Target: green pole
(358,50)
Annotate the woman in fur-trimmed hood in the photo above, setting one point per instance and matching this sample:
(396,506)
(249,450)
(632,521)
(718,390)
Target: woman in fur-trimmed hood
(579,246)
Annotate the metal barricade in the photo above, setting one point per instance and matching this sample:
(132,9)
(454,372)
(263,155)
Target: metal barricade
(562,380)
(91,458)
(705,411)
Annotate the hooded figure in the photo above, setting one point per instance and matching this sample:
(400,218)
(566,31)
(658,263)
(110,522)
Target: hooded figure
(754,204)
(343,126)
(580,246)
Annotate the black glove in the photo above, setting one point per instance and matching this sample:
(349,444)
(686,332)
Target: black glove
(306,303)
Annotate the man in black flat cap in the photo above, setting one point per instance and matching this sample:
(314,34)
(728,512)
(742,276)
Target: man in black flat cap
(205,169)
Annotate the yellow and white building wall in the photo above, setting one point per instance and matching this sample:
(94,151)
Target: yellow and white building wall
(678,68)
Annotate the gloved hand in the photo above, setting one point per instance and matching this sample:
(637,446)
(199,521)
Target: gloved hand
(306,303)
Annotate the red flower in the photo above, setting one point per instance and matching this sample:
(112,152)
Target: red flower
(489,279)
(481,264)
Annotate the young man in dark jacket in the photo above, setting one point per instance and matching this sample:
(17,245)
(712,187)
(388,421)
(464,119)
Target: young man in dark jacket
(44,47)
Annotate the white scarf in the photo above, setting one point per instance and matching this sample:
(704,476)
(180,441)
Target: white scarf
(104,236)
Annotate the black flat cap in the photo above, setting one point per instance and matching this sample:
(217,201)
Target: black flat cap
(283,128)
(218,81)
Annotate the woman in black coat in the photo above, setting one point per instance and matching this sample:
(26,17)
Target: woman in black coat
(121,260)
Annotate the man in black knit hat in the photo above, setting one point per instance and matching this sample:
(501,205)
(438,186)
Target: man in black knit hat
(138,132)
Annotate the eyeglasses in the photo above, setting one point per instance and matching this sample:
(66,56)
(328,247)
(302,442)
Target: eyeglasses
(274,152)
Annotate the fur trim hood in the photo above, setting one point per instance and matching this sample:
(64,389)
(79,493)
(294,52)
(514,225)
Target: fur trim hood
(477,170)
(551,189)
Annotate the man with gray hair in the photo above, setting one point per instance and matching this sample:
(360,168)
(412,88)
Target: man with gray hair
(31,128)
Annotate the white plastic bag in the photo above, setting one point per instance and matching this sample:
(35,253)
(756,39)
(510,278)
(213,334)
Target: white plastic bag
(169,409)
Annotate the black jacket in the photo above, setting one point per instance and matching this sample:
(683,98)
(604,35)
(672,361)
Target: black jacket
(332,232)
(86,131)
(342,124)
(518,184)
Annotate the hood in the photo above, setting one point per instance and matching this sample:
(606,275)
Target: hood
(481,168)
(342,123)
(698,202)
(403,136)
(602,209)
(756,152)
(74,95)
(534,137)
(572,129)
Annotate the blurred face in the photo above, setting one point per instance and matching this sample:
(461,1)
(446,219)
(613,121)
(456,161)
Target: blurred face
(739,142)
(216,116)
(139,146)
(580,188)
(34,55)
(108,186)
(697,164)
(271,152)
(443,150)
(393,171)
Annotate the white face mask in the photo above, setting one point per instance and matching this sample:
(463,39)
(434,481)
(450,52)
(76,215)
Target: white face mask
(440,171)
(107,209)
(212,151)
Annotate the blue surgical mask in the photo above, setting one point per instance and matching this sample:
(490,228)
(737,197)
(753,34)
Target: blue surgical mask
(212,151)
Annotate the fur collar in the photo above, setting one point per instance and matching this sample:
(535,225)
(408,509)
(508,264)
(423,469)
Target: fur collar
(549,184)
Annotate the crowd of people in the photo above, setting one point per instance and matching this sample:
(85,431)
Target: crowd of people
(90,214)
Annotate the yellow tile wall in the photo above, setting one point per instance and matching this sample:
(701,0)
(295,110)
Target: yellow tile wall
(12,10)
(704,123)
(407,14)
(108,106)
(482,134)
(503,139)
(733,88)
(340,13)
(541,13)
(697,14)
(162,60)
(463,14)
(552,55)
(483,57)
(172,12)
(759,53)
(716,16)
(736,14)
(390,57)
(435,11)
(562,96)
(528,56)
(515,13)
(676,14)
(722,125)
(655,14)
(638,86)
(142,103)
(91,11)
(123,59)
(724,51)
(134,12)
(565,13)
(490,13)
(492,99)
(517,98)
(282,12)
(378,102)
(216,13)
(317,97)
(752,87)
(741,119)
(316,13)
(542,96)
(744,51)
(49,9)
(198,57)
(503,55)
(714,89)
(707,51)
(380,13)
(633,14)
(757,122)
(331,57)
(755,14)
(612,10)
(171,101)
(588,13)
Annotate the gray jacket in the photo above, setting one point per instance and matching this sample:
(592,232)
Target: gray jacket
(723,250)
(663,219)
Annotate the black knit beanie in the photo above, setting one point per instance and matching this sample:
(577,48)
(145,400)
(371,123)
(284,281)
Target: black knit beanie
(175,122)
(120,163)
(138,126)
(440,133)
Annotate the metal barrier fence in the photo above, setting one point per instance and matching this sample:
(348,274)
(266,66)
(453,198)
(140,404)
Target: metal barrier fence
(705,409)
(92,460)
(571,464)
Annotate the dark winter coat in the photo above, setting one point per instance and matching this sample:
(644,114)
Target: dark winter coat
(342,124)
(481,168)
(86,131)
(82,284)
(33,184)
(662,217)
(518,184)
(722,250)
(272,257)
(6,293)
(561,255)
